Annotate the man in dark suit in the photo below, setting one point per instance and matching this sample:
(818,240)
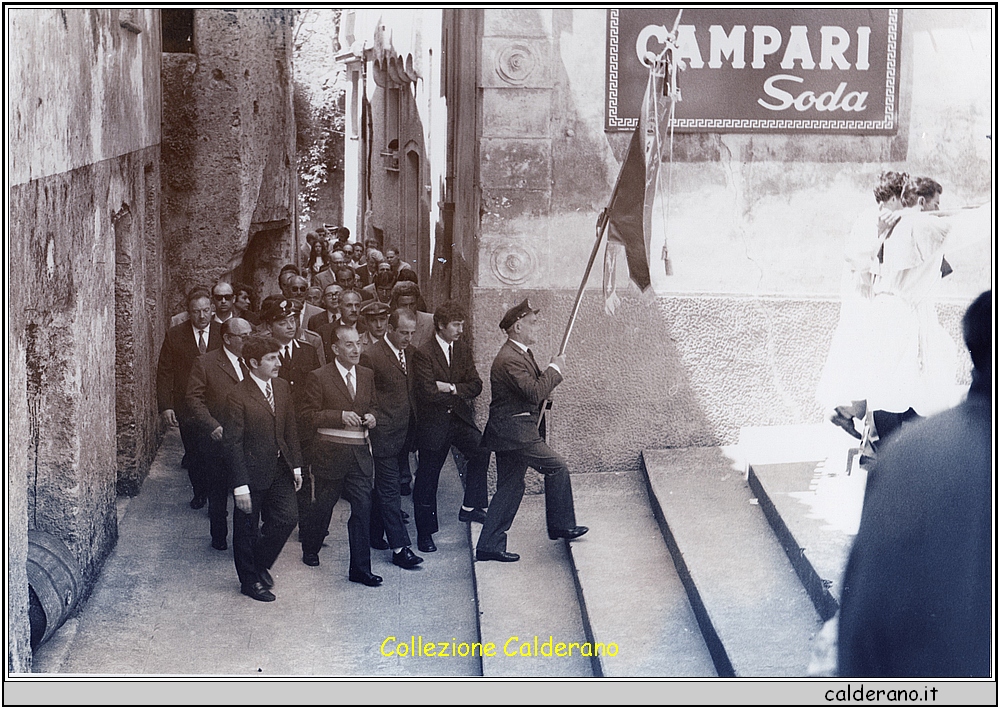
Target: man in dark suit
(261,444)
(338,409)
(297,357)
(391,360)
(331,303)
(181,345)
(213,377)
(916,598)
(445,383)
(520,389)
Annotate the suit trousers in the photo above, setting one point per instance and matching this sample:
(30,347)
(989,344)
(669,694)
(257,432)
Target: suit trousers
(256,545)
(216,474)
(466,438)
(192,440)
(355,485)
(387,516)
(511,466)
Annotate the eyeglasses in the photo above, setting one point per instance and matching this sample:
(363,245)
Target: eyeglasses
(298,289)
(227,296)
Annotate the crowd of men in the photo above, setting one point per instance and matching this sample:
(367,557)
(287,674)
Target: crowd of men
(290,409)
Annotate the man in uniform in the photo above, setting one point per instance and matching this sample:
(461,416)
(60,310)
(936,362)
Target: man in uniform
(296,357)
(520,389)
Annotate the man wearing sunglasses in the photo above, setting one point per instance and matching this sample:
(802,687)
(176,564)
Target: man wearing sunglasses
(223,298)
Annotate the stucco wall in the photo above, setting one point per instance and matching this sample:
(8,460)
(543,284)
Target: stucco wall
(85,279)
(229,151)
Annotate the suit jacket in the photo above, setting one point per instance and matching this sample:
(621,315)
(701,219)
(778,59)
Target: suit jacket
(519,389)
(320,319)
(253,435)
(212,380)
(425,329)
(324,400)
(177,355)
(394,398)
(434,409)
(365,277)
(324,278)
(304,360)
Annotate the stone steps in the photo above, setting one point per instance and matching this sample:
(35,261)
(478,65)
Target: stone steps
(755,615)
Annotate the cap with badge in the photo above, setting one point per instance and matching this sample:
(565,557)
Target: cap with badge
(375,309)
(278,310)
(516,313)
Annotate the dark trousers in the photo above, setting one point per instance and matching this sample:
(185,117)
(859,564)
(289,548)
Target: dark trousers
(192,439)
(387,516)
(212,462)
(511,466)
(355,485)
(466,438)
(256,545)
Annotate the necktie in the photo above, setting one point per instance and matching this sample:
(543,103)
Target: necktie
(402,362)
(533,362)
(242,371)
(286,355)
(350,385)
(451,353)
(270,396)
(202,346)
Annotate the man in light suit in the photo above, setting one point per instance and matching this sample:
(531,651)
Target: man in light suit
(445,383)
(520,389)
(213,377)
(391,360)
(261,444)
(338,409)
(181,345)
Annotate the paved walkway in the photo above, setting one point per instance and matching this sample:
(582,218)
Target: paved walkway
(166,603)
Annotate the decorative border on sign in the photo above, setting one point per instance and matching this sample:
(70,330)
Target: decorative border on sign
(613,122)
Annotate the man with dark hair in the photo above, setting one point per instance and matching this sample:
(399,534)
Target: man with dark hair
(347,278)
(295,356)
(376,319)
(261,445)
(381,288)
(514,431)
(181,345)
(391,361)
(406,294)
(445,382)
(916,598)
(337,410)
(213,378)
(395,262)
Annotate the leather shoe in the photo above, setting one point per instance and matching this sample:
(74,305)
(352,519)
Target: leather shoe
(406,516)
(496,556)
(568,533)
(406,559)
(404,489)
(477,514)
(265,579)
(257,592)
(197,502)
(310,558)
(365,577)
(380,544)
(426,544)
(219,544)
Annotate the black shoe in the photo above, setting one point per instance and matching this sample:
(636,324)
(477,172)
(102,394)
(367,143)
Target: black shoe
(406,516)
(426,544)
(477,514)
(310,558)
(265,579)
(365,577)
(406,559)
(404,489)
(257,592)
(197,502)
(496,556)
(568,533)
(219,544)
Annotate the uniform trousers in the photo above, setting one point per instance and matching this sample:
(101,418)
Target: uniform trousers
(511,466)
(256,545)
(466,438)
(387,516)
(348,480)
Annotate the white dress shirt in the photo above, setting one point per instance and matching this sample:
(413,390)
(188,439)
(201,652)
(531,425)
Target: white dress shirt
(446,347)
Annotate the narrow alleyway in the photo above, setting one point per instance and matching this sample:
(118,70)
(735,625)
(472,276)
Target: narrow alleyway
(166,603)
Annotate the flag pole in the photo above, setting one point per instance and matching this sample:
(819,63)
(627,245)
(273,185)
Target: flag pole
(602,225)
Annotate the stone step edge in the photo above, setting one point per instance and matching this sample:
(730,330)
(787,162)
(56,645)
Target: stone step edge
(824,602)
(597,666)
(723,665)
(475,592)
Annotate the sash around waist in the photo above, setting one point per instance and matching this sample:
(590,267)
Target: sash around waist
(349,435)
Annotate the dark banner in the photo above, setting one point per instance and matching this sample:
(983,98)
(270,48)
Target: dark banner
(761,70)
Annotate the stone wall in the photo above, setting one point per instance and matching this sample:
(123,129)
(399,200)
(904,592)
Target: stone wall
(229,152)
(85,280)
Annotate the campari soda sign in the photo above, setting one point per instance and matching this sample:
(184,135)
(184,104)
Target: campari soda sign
(761,70)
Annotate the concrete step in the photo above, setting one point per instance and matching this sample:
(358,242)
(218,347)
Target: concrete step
(756,617)
(631,593)
(528,599)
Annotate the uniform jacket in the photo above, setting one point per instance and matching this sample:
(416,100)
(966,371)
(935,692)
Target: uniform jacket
(253,435)
(177,355)
(304,360)
(434,408)
(324,400)
(212,380)
(394,398)
(519,388)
